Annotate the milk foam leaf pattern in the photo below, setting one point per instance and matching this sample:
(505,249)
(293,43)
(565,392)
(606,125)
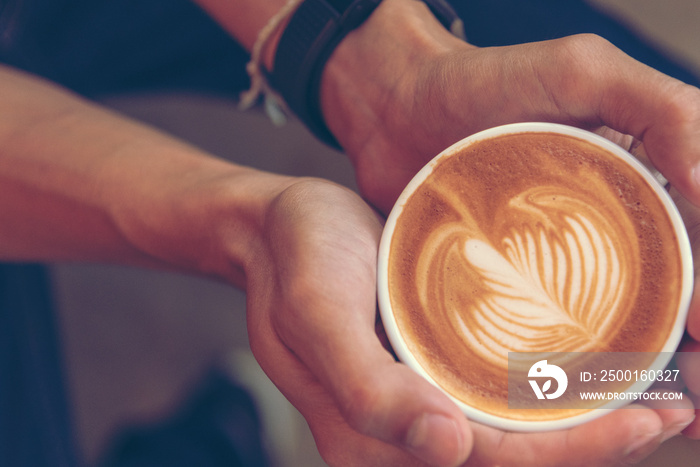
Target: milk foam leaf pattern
(544,291)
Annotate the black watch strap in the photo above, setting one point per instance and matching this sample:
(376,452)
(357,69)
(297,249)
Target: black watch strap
(313,32)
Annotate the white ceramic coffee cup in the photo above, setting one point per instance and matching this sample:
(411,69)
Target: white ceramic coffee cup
(672,342)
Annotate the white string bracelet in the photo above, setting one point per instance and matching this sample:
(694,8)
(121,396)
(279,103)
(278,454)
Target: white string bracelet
(275,107)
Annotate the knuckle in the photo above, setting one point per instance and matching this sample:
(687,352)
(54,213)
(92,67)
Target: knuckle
(587,44)
(581,50)
(576,65)
(682,105)
(361,406)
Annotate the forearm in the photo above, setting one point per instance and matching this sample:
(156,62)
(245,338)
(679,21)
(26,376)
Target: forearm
(78,182)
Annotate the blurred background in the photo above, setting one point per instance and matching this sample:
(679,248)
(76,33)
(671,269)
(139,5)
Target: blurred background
(142,347)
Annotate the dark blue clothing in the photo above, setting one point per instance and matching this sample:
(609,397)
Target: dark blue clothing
(102,47)
(508,22)
(219,427)
(34,418)
(99,47)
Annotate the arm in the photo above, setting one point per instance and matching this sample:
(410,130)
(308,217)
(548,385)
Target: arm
(81,183)
(78,182)
(400,88)
(395,92)
(424,90)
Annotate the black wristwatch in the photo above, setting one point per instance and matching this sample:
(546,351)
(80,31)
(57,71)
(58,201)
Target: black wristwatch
(313,32)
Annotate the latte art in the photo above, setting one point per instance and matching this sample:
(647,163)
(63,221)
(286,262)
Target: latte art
(555,282)
(533,242)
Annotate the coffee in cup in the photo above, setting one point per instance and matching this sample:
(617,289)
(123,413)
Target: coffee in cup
(531,238)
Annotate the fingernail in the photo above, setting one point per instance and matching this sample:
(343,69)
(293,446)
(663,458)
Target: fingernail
(695,174)
(436,439)
(675,430)
(642,447)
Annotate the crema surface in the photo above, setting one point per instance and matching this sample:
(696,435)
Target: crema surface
(534,242)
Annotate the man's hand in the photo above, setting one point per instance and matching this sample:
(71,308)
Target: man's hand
(313,328)
(400,89)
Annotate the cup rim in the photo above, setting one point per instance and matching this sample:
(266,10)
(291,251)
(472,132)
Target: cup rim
(386,312)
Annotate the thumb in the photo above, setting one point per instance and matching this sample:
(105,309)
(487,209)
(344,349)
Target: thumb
(383,399)
(392,403)
(380,398)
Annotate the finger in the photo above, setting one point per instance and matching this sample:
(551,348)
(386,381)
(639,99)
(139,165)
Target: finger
(626,142)
(623,435)
(381,398)
(688,361)
(586,81)
(691,219)
(371,402)
(692,431)
(336,441)
(675,414)
(693,325)
(658,110)
(384,399)
(342,444)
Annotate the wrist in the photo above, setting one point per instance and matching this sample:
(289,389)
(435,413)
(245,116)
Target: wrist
(208,221)
(236,207)
(370,78)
